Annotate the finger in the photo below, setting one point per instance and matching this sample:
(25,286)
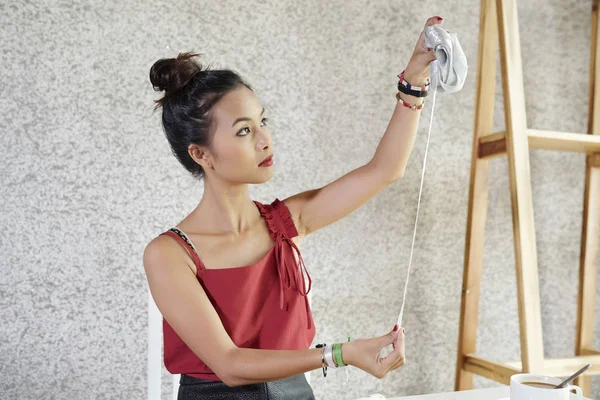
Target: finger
(399,336)
(392,359)
(398,346)
(401,362)
(390,338)
(428,56)
(435,20)
(397,333)
(399,342)
(392,364)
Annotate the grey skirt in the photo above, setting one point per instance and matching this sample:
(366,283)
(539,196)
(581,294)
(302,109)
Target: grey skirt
(294,388)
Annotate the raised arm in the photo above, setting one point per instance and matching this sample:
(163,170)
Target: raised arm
(317,208)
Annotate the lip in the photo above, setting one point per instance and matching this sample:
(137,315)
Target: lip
(267,161)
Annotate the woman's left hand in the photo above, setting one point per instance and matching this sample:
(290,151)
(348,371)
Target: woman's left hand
(417,70)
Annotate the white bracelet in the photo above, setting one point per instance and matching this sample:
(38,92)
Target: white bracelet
(328,356)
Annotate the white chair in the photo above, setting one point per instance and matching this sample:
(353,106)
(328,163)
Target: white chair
(155,359)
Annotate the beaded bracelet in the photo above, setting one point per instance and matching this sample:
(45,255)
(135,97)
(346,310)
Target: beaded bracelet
(407,85)
(408,105)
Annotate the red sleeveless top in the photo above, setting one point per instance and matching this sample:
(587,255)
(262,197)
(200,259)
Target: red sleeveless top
(261,306)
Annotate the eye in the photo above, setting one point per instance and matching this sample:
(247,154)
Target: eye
(244,131)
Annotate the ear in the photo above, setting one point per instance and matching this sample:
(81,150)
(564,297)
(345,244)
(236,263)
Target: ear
(201,155)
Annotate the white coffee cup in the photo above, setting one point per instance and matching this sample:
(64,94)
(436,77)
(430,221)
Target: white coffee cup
(520,391)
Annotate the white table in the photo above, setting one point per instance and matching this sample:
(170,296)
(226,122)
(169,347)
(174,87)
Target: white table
(478,394)
(497,393)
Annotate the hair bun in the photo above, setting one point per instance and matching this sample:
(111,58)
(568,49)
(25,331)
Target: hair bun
(172,74)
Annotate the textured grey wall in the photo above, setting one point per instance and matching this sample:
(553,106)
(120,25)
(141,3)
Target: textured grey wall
(87,179)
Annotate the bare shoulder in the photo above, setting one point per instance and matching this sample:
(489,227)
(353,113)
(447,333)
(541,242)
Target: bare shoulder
(163,252)
(157,250)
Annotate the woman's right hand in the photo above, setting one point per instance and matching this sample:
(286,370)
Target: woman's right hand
(365,353)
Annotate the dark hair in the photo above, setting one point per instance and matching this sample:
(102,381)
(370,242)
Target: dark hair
(190,94)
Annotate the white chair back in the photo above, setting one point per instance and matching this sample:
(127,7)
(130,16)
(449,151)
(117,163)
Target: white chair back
(155,354)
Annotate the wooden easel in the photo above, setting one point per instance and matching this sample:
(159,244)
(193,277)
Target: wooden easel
(499,24)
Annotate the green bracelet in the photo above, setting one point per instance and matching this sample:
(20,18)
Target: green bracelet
(337,355)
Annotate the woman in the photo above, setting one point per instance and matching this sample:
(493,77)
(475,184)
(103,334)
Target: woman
(229,278)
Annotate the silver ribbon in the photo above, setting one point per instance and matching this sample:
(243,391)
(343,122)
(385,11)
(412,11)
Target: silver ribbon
(449,69)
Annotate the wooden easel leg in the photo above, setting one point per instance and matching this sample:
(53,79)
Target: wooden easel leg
(478,192)
(591,217)
(530,320)
(588,269)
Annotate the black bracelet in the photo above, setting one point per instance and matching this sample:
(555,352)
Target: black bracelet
(415,93)
(323,363)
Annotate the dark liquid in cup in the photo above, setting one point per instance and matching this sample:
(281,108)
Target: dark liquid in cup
(540,385)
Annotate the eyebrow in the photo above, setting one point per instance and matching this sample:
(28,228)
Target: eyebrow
(246,118)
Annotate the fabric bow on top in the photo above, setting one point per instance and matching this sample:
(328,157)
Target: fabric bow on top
(449,69)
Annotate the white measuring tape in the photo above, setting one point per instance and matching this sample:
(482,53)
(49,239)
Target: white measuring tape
(448,74)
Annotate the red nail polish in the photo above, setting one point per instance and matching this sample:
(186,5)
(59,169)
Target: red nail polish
(440,18)
(395,328)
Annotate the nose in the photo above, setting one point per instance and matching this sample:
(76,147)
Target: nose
(264,141)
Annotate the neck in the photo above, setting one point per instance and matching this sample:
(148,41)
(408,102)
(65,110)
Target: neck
(225,208)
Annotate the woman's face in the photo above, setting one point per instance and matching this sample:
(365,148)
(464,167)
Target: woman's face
(241,139)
